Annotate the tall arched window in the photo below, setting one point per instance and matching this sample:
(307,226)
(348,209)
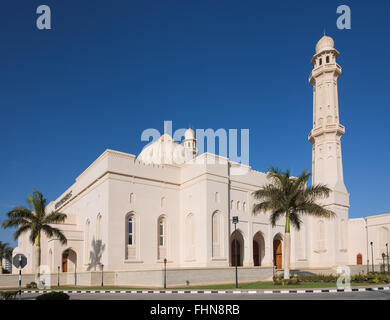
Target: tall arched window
(238,205)
(131,230)
(231,204)
(190,237)
(244,207)
(99,227)
(217,234)
(217,197)
(131,236)
(162,238)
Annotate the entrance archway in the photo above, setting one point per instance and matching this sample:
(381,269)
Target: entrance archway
(359,259)
(69,260)
(237,235)
(277,245)
(258,249)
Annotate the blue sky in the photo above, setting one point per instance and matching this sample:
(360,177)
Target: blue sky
(109,70)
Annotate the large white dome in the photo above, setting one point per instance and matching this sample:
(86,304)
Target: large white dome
(163,151)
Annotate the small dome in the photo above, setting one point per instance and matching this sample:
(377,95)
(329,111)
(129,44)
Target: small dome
(189,134)
(325,43)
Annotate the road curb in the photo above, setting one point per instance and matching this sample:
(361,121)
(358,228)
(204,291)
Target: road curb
(297,291)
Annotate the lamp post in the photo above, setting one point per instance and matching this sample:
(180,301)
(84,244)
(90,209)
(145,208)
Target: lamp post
(372,255)
(387,251)
(58,276)
(383,261)
(75,273)
(102,274)
(165,273)
(235,221)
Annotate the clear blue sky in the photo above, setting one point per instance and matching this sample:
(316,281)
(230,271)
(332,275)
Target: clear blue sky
(109,70)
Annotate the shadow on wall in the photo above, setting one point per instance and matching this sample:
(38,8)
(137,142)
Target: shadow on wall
(95,255)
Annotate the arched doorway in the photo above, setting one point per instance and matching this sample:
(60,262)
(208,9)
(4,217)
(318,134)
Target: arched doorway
(359,259)
(277,245)
(69,260)
(258,249)
(237,237)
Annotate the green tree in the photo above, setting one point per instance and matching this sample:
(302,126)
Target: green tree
(290,198)
(35,220)
(5,253)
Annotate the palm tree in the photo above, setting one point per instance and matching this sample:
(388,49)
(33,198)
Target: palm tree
(5,253)
(291,198)
(35,221)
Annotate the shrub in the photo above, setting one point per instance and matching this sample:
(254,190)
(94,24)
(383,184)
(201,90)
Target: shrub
(8,295)
(31,285)
(53,296)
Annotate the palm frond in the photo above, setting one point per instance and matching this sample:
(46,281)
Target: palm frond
(51,231)
(54,217)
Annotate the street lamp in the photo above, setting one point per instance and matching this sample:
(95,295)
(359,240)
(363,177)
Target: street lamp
(75,273)
(372,255)
(235,221)
(102,274)
(383,261)
(165,273)
(387,251)
(58,276)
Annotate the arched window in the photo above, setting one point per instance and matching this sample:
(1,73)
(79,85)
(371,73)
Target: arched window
(130,230)
(190,237)
(99,227)
(217,234)
(244,206)
(238,205)
(320,62)
(163,202)
(231,204)
(327,59)
(162,238)
(131,235)
(217,197)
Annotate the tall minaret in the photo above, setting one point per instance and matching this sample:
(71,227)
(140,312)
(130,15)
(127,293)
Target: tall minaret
(189,143)
(331,247)
(327,130)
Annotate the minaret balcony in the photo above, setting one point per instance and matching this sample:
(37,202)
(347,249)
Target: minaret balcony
(326,68)
(338,129)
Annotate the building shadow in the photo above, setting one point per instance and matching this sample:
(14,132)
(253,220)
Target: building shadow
(95,255)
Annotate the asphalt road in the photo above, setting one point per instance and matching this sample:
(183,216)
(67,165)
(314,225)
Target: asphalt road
(366,295)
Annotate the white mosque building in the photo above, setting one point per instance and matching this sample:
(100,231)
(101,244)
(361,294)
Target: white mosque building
(130,213)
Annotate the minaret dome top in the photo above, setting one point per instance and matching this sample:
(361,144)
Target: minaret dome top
(325,43)
(189,134)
